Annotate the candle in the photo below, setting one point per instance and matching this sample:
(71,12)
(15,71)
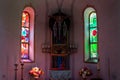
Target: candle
(98,65)
(17,59)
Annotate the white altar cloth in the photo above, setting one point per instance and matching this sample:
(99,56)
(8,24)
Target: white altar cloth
(60,74)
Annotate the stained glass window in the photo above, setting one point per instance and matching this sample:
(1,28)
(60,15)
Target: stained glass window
(27,35)
(91,35)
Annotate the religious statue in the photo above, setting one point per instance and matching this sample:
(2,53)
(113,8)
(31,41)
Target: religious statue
(59,25)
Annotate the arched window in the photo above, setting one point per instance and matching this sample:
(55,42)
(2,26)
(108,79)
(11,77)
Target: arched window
(27,35)
(90,35)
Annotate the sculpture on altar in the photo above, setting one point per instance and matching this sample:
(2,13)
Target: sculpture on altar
(59,23)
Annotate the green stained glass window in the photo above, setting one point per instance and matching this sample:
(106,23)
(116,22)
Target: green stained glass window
(90,35)
(93,36)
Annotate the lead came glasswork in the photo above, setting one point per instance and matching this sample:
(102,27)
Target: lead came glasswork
(93,36)
(24,51)
(93,50)
(25,35)
(25,32)
(90,35)
(93,22)
(25,19)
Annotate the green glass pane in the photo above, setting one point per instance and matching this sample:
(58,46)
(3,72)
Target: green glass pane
(87,48)
(93,50)
(93,20)
(93,34)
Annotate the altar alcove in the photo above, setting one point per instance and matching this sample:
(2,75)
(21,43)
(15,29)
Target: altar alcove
(60,47)
(59,24)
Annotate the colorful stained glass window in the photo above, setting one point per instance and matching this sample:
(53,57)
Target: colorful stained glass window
(90,35)
(25,35)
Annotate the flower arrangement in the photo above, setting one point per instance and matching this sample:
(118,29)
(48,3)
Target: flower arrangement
(84,72)
(36,72)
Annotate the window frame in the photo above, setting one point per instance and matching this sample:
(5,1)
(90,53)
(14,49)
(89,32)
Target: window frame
(31,54)
(87,54)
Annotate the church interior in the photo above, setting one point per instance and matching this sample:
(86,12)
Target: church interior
(59,40)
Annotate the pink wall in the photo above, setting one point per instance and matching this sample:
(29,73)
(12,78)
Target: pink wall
(109,40)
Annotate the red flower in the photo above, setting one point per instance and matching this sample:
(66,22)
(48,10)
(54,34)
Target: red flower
(36,72)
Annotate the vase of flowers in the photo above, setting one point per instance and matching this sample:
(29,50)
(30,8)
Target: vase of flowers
(85,72)
(36,72)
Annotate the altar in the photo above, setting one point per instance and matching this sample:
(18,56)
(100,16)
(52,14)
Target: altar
(60,74)
(60,47)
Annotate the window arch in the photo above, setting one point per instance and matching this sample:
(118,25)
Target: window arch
(90,35)
(27,35)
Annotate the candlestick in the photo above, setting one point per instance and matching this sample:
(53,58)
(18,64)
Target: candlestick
(16,65)
(98,68)
(22,64)
(98,65)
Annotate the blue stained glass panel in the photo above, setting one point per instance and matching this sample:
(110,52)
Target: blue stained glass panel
(25,35)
